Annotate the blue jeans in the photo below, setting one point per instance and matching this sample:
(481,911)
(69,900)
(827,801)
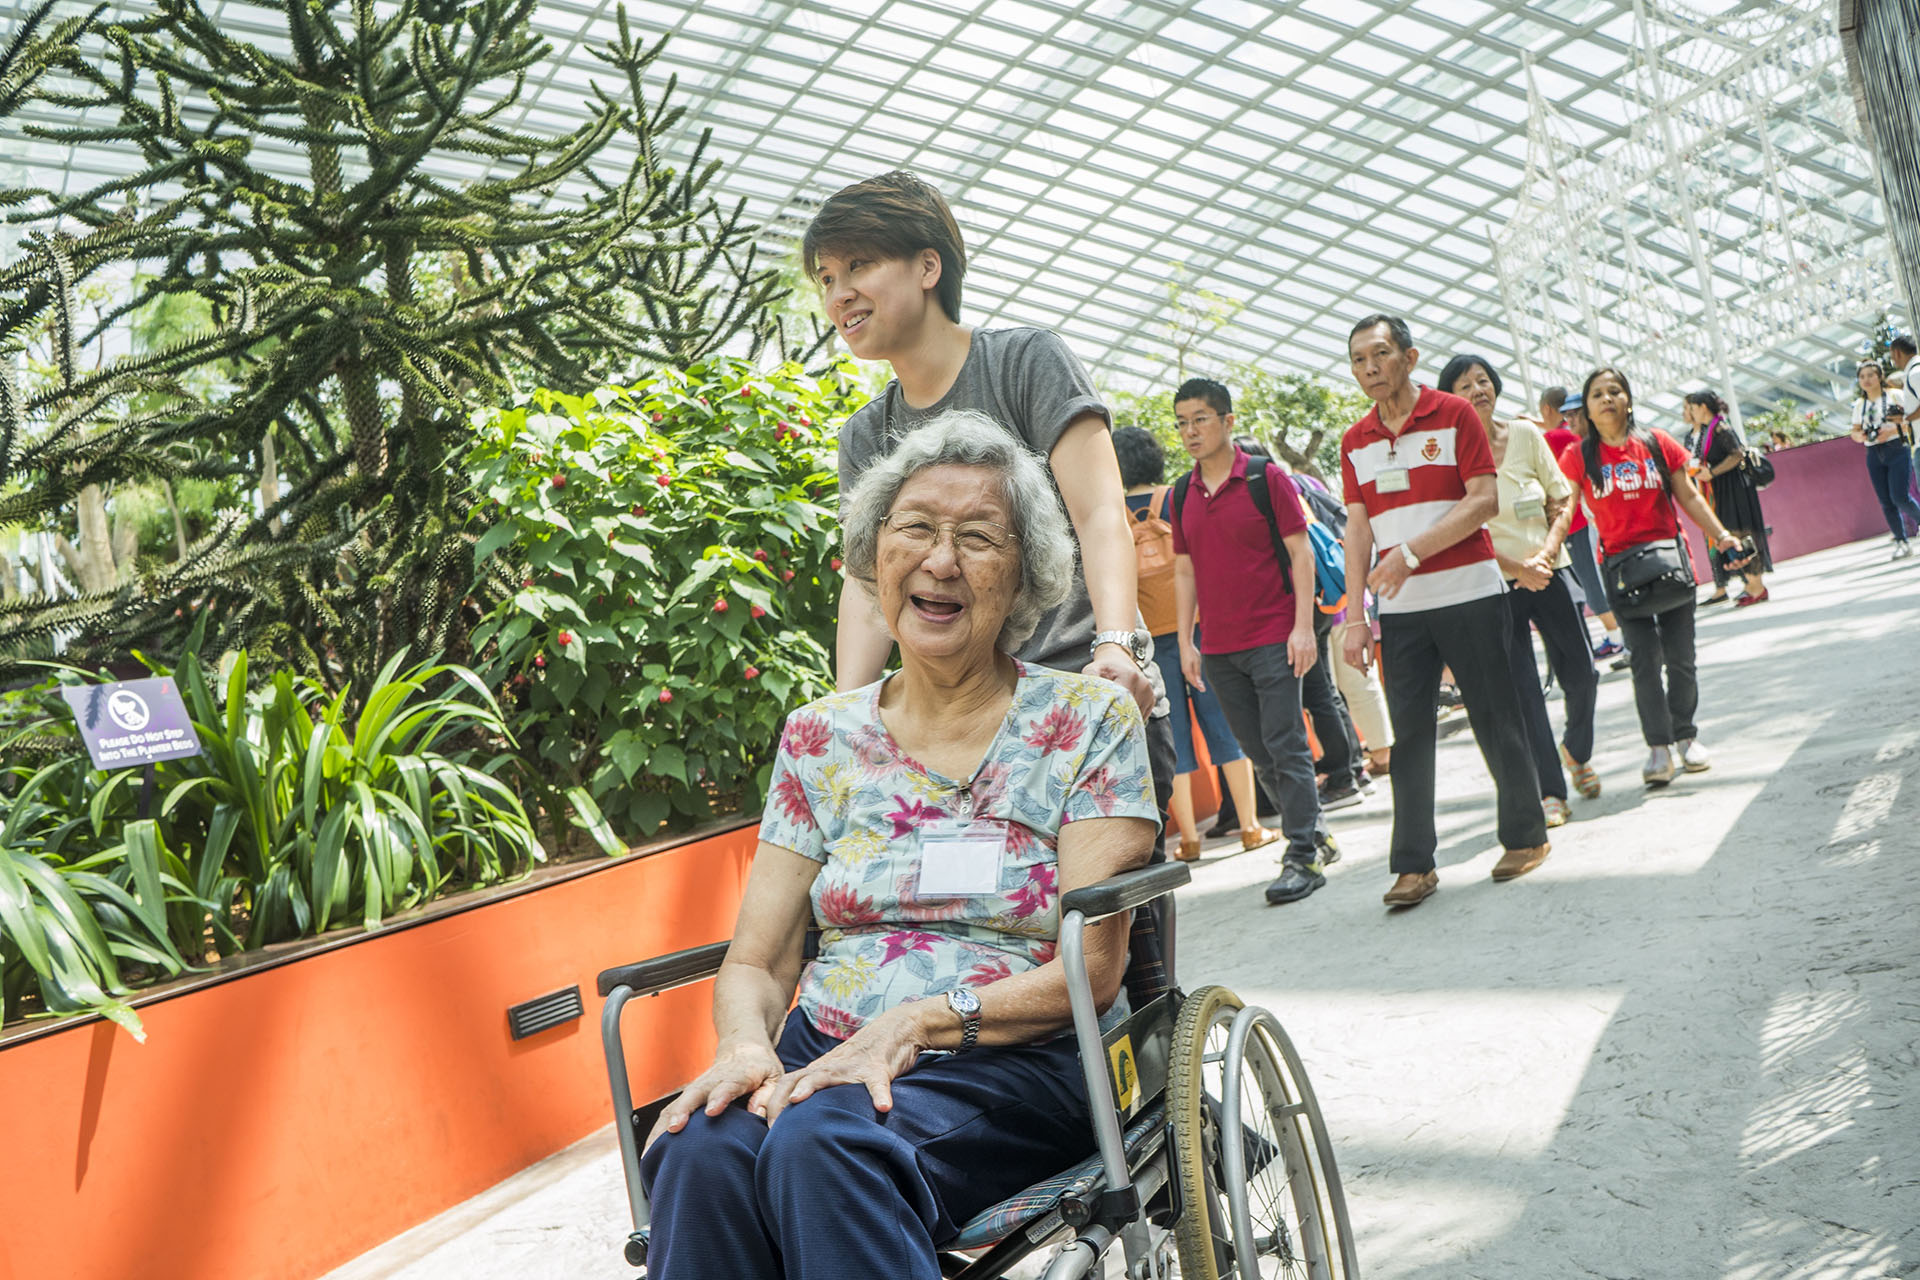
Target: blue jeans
(835,1190)
(1890,468)
(1213,721)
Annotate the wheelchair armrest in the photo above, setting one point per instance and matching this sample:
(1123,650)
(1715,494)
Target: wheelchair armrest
(664,973)
(1125,891)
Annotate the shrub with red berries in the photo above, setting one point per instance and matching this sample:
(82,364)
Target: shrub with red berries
(652,528)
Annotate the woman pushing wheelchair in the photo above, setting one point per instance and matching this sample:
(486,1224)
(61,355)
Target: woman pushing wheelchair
(927,824)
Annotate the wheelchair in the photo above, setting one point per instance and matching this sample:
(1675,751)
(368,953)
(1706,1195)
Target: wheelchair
(1209,1146)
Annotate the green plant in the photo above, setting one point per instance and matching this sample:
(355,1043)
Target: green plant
(1299,418)
(73,909)
(358,302)
(1787,419)
(299,815)
(674,541)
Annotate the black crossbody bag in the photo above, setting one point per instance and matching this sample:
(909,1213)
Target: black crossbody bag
(1655,576)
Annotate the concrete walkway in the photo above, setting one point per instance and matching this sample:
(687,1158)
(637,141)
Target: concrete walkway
(1685,1048)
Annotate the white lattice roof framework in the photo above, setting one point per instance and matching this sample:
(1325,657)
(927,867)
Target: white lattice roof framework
(1711,234)
(1310,159)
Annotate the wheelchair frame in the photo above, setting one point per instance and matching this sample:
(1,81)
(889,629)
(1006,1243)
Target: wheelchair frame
(1116,1206)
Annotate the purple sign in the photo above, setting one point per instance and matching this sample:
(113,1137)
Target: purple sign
(134,722)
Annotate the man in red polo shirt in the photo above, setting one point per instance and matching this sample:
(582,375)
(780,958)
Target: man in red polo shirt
(1419,479)
(1256,620)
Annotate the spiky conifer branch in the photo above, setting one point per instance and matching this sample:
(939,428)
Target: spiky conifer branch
(567,275)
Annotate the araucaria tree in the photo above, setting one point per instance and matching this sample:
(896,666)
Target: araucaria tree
(366,296)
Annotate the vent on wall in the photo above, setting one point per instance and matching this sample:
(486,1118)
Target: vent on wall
(542,1013)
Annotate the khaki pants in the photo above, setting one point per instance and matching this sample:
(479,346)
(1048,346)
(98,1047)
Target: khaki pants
(1365,702)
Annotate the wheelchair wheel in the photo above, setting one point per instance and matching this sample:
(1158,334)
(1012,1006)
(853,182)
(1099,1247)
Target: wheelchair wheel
(1285,1216)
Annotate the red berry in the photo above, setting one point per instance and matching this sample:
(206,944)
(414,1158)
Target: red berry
(753,673)
(703,400)
(638,509)
(658,416)
(806,422)
(719,606)
(758,612)
(526,582)
(663,480)
(761,556)
(666,695)
(539,660)
(559,482)
(746,393)
(787,575)
(835,562)
(565,637)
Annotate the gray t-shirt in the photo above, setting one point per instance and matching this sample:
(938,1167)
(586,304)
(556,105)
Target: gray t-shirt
(1027,380)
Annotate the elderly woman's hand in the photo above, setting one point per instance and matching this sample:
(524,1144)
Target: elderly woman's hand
(738,1071)
(876,1055)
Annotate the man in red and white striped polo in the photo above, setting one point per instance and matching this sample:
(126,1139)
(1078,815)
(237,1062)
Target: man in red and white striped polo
(1419,478)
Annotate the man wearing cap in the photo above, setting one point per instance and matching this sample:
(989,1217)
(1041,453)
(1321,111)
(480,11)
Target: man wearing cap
(1419,483)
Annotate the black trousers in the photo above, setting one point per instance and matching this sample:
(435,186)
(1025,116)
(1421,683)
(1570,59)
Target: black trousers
(1663,644)
(1470,638)
(1565,636)
(1261,696)
(1332,722)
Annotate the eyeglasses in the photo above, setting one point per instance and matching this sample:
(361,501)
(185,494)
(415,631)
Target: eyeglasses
(970,537)
(1199,420)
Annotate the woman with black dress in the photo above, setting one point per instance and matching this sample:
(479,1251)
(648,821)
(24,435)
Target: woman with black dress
(1722,450)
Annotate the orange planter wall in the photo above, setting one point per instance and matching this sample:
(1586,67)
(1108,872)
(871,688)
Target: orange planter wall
(279,1124)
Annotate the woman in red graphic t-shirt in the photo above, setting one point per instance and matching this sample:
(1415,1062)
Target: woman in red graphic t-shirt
(1635,499)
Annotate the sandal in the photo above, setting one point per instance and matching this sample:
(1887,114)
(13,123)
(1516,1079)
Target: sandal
(1585,780)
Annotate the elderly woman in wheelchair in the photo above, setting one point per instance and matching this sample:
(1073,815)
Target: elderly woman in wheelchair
(928,826)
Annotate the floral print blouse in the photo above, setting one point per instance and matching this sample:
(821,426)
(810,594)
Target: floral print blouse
(845,794)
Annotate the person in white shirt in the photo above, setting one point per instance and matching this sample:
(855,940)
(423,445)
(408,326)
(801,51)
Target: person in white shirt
(1877,419)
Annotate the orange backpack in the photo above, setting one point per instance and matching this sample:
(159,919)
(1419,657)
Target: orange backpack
(1153,551)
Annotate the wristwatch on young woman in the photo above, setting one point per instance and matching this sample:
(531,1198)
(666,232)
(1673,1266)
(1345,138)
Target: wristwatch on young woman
(1138,643)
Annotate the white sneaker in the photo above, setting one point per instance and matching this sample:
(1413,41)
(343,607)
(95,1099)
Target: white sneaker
(1693,756)
(1659,769)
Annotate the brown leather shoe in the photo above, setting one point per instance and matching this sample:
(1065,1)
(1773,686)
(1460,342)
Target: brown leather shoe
(1189,850)
(1257,837)
(1517,862)
(1412,889)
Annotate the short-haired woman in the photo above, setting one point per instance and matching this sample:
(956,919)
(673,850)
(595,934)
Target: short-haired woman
(1720,448)
(1635,484)
(928,824)
(1536,510)
(1143,464)
(1876,424)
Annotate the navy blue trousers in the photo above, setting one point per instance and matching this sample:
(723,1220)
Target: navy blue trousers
(835,1190)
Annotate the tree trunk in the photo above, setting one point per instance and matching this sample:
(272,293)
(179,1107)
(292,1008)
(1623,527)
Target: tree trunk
(126,548)
(9,577)
(179,525)
(95,568)
(269,484)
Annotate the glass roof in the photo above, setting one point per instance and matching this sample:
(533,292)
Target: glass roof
(1307,161)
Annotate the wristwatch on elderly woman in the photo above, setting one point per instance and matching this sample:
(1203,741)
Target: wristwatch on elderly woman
(963,1002)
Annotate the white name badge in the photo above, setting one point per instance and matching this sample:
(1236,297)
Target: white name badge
(961,860)
(1393,480)
(1530,508)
